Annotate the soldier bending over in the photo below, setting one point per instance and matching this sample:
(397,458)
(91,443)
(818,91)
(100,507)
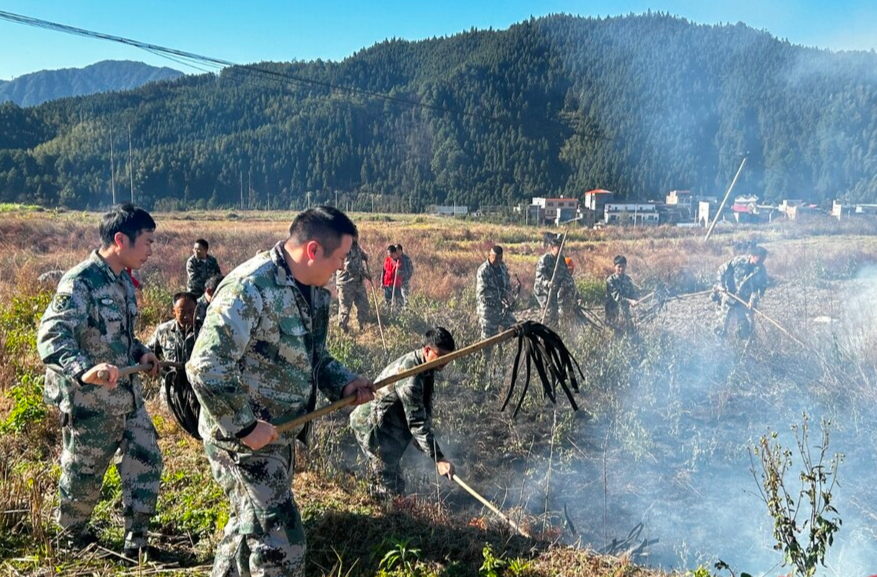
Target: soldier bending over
(402,412)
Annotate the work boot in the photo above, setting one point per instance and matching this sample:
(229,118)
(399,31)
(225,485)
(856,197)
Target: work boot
(75,539)
(136,540)
(140,555)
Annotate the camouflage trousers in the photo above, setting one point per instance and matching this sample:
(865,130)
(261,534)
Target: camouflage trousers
(91,438)
(620,319)
(406,292)
(731,314)
(492,323)
(264,536)
(348,296)
(383,451)
(556,310)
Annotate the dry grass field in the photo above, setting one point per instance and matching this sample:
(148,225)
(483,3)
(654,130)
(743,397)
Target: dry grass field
(654,469)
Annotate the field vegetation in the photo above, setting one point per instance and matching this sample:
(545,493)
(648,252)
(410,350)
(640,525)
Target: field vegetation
(654,470)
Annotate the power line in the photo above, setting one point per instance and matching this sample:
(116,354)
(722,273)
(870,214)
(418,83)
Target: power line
(220,63)
(188,58)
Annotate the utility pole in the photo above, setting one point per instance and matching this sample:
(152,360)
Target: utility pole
(130,164)
(112,166)
(724,200)
(268,192)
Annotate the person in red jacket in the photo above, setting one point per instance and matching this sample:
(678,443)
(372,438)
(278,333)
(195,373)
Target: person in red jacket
(392,279)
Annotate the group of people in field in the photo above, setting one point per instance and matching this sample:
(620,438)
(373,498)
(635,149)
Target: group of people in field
(740,283)
(252,347)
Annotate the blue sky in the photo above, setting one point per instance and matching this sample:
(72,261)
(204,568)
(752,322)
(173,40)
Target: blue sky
(253,31)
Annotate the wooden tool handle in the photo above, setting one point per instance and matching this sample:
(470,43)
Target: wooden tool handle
(441,361)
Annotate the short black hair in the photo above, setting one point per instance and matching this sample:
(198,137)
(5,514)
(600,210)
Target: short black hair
(213,282)
(497,250)
(203,243)
(439,338)
(399,247)
(184,295)
(758,251)
(126,218)
(391,248)
(324,224)
(620,259)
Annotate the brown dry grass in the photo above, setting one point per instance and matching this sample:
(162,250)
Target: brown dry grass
(446,255)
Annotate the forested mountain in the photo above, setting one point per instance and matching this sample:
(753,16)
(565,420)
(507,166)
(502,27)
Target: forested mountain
(106,76)
(557,105)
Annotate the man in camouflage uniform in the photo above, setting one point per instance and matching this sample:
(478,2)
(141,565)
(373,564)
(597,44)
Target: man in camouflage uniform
(493,289)
(560,297)
(351,288)
(745,277)
(258,361)
(620,297)
(173,340)
(200,267)
(85,336)
(406,271)
(204,301)
(400,413)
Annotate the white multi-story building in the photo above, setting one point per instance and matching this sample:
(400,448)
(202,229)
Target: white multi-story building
(636,214)
(556,210)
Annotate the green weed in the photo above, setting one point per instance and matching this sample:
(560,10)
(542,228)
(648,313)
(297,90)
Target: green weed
(401,559)
(29,407)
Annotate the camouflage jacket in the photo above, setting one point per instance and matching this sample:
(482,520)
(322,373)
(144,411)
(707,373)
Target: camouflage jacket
(618,288)
(262,352)
(200,312)
(739,277)
(354,271)
(564,285)
(170,343)
(406,269)
(91,320)
(492,286)
(198,271)
(403,409)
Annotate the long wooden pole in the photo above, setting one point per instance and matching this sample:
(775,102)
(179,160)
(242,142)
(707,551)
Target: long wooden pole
(724,200)
(554,276)
(770,320)
(489,505)
(350,399)
(395,278)
(377,306)
(378,314)
(125,371)
(439,362)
